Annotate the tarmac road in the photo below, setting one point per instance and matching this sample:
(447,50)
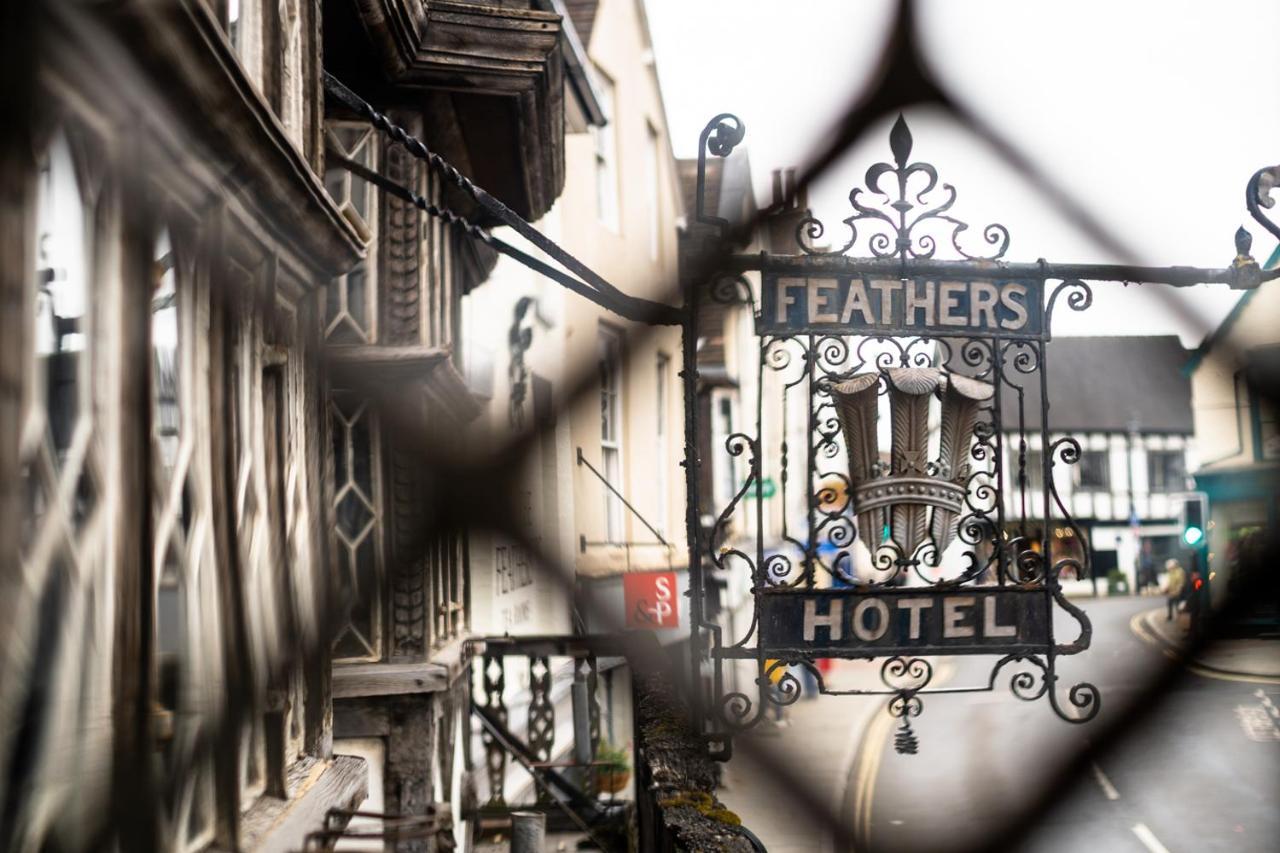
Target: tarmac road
(1201,773)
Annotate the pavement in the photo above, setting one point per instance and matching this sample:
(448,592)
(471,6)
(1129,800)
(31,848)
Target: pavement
(1248,658)
(789,782)
(1199,768)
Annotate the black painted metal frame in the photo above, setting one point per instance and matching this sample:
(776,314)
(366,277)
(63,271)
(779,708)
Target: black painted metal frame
(903,226)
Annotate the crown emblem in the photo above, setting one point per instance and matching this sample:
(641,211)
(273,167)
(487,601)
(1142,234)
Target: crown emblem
(913,502)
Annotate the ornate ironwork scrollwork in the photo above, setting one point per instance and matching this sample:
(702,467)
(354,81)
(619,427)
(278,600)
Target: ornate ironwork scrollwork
(721,135)
(896,232)
(495,757)
(948,502)
(1258,196)
(1079,298)
(732,290)
(906,675)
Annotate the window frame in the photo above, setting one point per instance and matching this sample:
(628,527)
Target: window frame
(662,407)
(373,531)
(1164,486)
(605,137)
(1264,422)
(341,326)
(610,343)
(653,179)
(1104,459)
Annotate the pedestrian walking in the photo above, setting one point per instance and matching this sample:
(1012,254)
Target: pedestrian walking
(1175,585)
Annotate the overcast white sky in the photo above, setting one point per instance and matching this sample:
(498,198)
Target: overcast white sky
(1154,114)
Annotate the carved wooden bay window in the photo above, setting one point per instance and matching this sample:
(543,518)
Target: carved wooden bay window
(403,589)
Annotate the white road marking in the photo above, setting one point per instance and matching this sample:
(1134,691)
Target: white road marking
(1108,790)
(1148,838)
(1257,725)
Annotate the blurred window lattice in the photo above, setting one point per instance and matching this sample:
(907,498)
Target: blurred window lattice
(352,298)
(59,670)
(188,644)
(357,509)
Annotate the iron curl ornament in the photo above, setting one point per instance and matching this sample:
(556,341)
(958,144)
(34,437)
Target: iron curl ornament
(900,225)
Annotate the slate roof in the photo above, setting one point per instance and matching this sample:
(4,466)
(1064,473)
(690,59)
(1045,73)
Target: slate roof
(729,192)
(583,15)
(1107,384)
(687,169)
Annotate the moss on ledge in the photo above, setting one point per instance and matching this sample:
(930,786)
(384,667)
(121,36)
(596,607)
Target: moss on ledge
(680,777)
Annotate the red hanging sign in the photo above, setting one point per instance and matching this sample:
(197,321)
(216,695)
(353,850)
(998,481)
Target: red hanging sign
(650,600)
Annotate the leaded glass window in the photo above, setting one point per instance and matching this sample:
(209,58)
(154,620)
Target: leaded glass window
(357,510)
(350,312)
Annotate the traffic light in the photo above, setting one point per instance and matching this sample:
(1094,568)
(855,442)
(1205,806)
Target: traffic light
(1193,519)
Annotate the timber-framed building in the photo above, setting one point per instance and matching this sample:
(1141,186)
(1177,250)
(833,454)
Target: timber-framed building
(214,566)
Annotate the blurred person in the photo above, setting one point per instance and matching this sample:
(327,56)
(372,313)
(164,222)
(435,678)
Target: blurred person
(1175,587)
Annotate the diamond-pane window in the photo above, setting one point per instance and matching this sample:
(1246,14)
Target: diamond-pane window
(350,299)
(357,507)
(354,515)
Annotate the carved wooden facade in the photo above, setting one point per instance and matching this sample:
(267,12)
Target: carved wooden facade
(164,676)
(203,504)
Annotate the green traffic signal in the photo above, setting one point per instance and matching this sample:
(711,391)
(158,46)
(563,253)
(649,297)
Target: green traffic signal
(1192,518)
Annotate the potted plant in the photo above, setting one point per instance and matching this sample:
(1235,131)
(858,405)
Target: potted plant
(612,768)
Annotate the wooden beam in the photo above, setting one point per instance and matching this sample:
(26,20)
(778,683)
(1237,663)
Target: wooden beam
(274,825)
(388,679)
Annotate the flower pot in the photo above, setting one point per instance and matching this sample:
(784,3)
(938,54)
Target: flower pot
(612,781)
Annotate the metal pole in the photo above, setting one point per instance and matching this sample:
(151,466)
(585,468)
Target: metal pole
(689,376)
(1246,276)
(582,460)
(528,832)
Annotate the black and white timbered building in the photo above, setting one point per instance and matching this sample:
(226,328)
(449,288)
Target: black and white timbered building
(1127,401)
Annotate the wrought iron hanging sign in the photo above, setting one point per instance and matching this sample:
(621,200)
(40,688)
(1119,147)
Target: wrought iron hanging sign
(938,540)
